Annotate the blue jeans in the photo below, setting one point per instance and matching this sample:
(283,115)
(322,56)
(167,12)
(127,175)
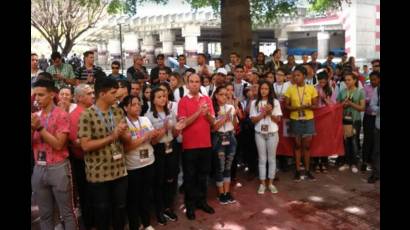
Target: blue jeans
(267,144)
(225,155)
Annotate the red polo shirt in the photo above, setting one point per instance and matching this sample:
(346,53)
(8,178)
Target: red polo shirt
(74,120)
(198,134)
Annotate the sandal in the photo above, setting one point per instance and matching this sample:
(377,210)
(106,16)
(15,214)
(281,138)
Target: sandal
(317,169)
(324,170)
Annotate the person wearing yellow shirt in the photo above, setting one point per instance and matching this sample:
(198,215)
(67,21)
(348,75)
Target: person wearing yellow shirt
(301,99)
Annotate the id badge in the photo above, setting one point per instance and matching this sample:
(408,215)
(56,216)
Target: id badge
(225,139)
(117,156)
(41,158)
(301,115)
(168,147)
(264,128)
(144,155)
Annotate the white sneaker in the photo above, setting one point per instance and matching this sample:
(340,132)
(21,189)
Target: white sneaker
(273,189)
(261,189)
(369,168)
(354,169)
(343,167)
(149,228)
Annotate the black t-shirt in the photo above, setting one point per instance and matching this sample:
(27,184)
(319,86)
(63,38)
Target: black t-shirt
(82,72)
(135,74)
(155,72)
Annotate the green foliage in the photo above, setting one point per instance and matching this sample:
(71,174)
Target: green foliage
(115,7)
(324,5)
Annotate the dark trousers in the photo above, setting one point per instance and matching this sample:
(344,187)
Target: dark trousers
(197,165)
(368,139)
(109,203)
(237,158)
(248,146)
(140,182)
(351,146)
(376,153)
(166,167)
(317,161)
(80,183)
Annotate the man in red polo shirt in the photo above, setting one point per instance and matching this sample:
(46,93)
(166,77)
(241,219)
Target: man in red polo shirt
(197,112)
(84,96)
(51,179)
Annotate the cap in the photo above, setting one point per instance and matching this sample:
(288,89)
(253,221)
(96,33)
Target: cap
(222,71)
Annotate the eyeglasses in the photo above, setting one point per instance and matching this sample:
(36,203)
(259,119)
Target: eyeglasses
(115,67)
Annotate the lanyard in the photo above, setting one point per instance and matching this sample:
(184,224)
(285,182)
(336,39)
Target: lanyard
(139,125)
(163,122)
(281,89)
(45,126)
(301,97)
(101,117)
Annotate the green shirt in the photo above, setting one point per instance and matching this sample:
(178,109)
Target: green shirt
(356,96)
(65,69)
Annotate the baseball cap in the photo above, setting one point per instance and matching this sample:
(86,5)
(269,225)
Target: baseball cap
(222,71)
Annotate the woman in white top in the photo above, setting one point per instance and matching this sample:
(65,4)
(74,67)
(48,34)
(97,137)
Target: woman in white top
(265,114)
(166,164)
(65,98)
(224,142)
(139,159)
(280,86)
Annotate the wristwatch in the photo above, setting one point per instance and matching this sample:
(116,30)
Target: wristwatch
(39,128)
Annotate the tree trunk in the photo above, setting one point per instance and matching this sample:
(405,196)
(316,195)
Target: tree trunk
(236,31)
(68,46)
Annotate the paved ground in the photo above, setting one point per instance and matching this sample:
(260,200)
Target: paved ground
(336,200)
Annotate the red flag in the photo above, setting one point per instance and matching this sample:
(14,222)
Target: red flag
(329,133)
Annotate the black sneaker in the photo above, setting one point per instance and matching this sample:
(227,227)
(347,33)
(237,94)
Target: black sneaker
(297,176)
(161,219)
(230,198)
(223,199)
(372,179)
(310,176)
(206,208)
(170,215)
(363,168)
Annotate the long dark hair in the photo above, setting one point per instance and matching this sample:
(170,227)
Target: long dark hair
(326,89)
(144,107)
(153,108)
(214,100)
(126,101)
(170,93)
(271,94)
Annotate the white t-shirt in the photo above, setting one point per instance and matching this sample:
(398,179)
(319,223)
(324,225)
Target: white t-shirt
(159,123)
(272,126)
(228,126)
(280,89)
(72,107)
(133,158)
(173,107)
(186,91)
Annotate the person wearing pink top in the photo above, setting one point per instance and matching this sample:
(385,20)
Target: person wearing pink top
(326,96)
(51,179)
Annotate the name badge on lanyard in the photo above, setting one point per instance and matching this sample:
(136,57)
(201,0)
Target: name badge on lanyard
(116,153)
(144,155)
(168,147)
(42,154)
(301,113)
(225,139)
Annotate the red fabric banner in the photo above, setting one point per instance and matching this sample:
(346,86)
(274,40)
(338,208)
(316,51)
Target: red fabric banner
(329,133)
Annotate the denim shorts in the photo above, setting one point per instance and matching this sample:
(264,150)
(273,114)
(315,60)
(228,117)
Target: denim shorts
(304,128)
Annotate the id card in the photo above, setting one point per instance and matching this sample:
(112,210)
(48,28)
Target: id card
(144,155)
(301,114)
(41,158)
(117,156)
(225,139)
(168,147)
(264,128)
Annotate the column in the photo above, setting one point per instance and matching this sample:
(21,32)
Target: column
(191,33)
(148,46)
(323,44)
(130,48)
(167,37)
(114,49)
(102,54)
(283,44)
